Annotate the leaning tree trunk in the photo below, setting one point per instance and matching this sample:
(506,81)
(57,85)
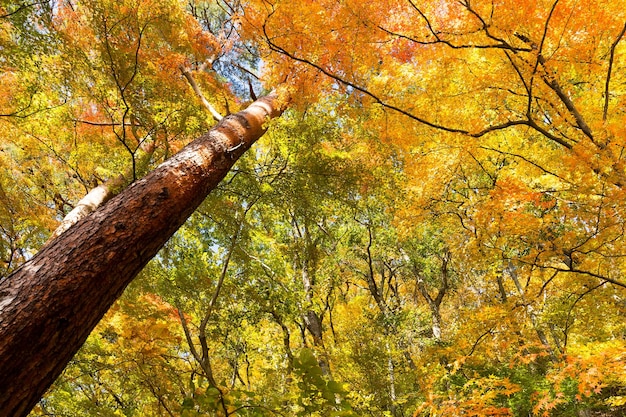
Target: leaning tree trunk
(49,306)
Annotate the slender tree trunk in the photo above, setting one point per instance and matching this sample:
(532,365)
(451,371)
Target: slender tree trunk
(287,346)
(313,320)
(501,289)
(207,105)
(534,319)
(434,303)
(392,381)
(436,317)
(49,306)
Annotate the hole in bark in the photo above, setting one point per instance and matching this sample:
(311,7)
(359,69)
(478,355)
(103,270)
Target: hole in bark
(164,194)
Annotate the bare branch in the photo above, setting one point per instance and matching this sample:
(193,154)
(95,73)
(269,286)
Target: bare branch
(569,104)
(485,27)
(439,40)
(593,274)
(244,69)
(18,114)
(218,288)
(610,69)
(104,124)
(527,160)
(20,8)
(477,342)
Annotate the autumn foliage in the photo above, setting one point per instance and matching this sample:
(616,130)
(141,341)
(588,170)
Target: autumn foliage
(435,227)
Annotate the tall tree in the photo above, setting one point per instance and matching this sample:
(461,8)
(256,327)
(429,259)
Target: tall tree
(502,122)
(52,302)
(135,45)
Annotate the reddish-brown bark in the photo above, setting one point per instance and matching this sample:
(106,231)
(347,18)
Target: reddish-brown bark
(49,306)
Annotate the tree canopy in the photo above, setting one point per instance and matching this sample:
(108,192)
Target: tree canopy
(434,226)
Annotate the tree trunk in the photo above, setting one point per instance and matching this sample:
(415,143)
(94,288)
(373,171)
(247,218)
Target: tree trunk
(534,319)
(49,306)
(313,320)
(435,303)
(392,381)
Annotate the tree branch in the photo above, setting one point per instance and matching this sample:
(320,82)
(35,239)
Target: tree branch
(20,8)
(207,105)
(438,40)
(100,194)
(527,160)
(591,274)
(530,122)
(551,81)
(608,75)
(192,347)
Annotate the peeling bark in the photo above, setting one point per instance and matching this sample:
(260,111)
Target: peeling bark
(49,306)
(100,195)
